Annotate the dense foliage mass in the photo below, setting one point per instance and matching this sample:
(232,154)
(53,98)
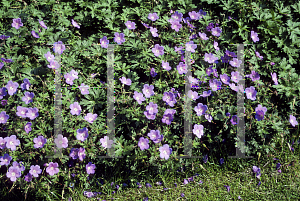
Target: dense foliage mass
(150,43)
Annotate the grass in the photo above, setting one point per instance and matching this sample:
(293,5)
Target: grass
(236,173)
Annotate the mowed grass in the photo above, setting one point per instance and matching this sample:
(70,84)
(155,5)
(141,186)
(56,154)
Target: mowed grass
(236,173)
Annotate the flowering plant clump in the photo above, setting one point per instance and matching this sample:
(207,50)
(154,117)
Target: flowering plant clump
(128,87)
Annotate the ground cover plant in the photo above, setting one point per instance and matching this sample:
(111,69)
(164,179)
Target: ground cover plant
(155,44)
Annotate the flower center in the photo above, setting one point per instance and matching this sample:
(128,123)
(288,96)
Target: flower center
(2,118)
(119,38)
(40,143)
(52,168)
(11,143)
(11,88)
(75,109)
(60,142)
(13,174)
(34,171)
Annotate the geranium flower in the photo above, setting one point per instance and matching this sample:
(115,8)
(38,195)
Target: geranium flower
(74,23)
(61,141)
(40,141)
(143,143)
(17,23)
(52,168)
(165,151)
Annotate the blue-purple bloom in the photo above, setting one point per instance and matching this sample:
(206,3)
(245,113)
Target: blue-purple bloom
(43,24)
(61,141)
(12,142)
(251,93)
(22,111)
(203,36)
(3,117)
(5,160)
(165,151)
(32,113)
(90,117)
(119,38)
(17,23)
(153,32)
(153,16)
(254,36)
(152,72)
(293,121)
(193,94)
(84,89)
(260,112)
(234,119)
(104,42)
(236,77)
(210,58)
(130,25)
(75,108)
(165,65)
(40,141)
(34,34)
(215,84)
(74,23)
(13,173)
(12,87)
(82,134)
(35,170)
(158,50)
(138,97)
(52,168)
(274,78)
(169,98)
(25,85)
(200,109)
(28,98)
(216,31)
(194,15)
(27,127)
(148,90)
(181,68)
(143,143)
(59,47)
(90,168)
(235,62)
(198,130)
(49,57)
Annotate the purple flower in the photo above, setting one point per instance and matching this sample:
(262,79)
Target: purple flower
(216,46)
(274,78)
(25,85)
(3,37)
(12,142)
(27,127)
(52,168)
(130,25)
(152,72)
(185,181)
(293,120)
(34,34)
(166,65)
(138,97)
(3,102)
(203,36)
(74,153)
(169,98)
(228,187)
(49,56)
(193,80)
(35,170)
(208,117)
(155,136)
(17,23)
(254,36)
(234,119)
(206,93)
(272,63)
(146,25)
(5,160)
(81,154)
(216,31)
(75,108)
(254,76)
(61,141)
(6,60)
(193,94)
(221,161)
(82,134)
(74,23)
(233,87)
(210,26)
(258,55)
(259,107)
(153,16)
(278,166)
(59,47)
(43,24)
(236,77)
(90,117)
(153,32)
(179,49)
(177,16)
(149,116)
(152,108)
(12,87)
(175,25)
(235,62)
(13,173)
(225,59)
(40,141)
(148,90)
(230,54)
(28,177)
(74,74)
(125,81)
(2,143)
(28,97)
(228,114)
(202,13)
(3,117)
(251,93)
(104,42)
(32,113)
(205,157)
(200,109)
(106,143)
(158,50)
(143,143)
(69,78)
(190,46)
(1,65)
(210,58)
(53,64)
(84,89)
(215,84)
(198,130)
(119,38)
(194,15)
(225,78)
(165,151)
(90,168)
(21,111)
(181,68)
